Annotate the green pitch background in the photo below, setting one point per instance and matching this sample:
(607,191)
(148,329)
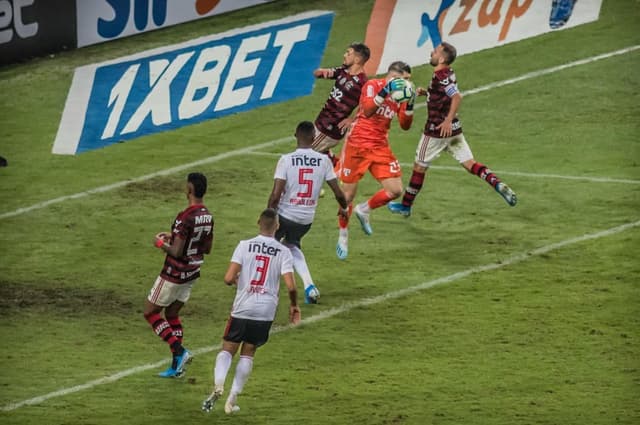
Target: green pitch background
(538,337)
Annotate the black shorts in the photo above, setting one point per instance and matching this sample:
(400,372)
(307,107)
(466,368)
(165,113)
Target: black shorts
(291,232)
(254,332)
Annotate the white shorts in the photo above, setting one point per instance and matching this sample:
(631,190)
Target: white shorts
(164,292)
(429,148)
(322,142)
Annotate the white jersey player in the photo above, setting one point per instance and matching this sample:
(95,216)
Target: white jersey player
(256,267)
(298,179)
(263,260)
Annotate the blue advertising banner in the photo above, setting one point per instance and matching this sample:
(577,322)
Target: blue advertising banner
(183,84)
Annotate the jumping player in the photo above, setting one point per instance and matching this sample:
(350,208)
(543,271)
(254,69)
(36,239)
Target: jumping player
(335,117)
(367,148)
(443,132)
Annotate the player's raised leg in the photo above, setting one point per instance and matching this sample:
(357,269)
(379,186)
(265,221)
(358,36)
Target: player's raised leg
(427,150)
(483,172)
(391,189)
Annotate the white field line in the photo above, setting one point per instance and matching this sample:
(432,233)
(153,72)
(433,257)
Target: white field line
(165,172)
(341,309)
(542,175)
(553,69)
(506,173)
(249,149)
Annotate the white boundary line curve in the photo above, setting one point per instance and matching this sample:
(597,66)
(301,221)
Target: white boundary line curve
(517,258)
(507,173)
(249,149)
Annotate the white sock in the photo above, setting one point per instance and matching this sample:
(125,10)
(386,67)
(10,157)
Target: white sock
(243,370)
(300,266)
(344,233)
(223,363)
(364,207)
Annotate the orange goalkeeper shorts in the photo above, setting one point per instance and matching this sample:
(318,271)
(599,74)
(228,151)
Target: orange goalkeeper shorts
(356,161)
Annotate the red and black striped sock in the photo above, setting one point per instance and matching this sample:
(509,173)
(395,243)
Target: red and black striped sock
(162,328)
(415,184)
(176,325)
(485,174)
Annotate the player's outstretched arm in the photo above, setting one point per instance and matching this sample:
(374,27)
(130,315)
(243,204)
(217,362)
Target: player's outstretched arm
(323,73)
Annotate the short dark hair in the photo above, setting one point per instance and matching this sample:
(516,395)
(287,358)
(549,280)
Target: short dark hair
(268,219)
(269,213)
(306,130)
(199,182)
(361,49)
(399,66)
(449,52)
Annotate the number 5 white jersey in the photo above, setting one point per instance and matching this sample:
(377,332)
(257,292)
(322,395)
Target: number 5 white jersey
(305,171)
(263,260)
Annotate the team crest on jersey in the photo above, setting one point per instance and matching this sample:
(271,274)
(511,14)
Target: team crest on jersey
(444,82)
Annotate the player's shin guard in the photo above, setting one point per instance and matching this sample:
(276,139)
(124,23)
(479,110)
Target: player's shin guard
(243,370)
(162,328)
(379,199)
(300,266)
(485,174)
(221,369)
(176,325)
(415,185)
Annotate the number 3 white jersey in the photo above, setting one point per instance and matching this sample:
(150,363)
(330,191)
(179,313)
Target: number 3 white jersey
(305,171)
(263,260)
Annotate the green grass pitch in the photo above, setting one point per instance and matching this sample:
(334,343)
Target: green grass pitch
(468,312)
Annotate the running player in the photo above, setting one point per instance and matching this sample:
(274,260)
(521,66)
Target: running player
(256,267)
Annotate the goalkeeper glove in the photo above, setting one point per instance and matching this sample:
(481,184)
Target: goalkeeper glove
(392,85)
(410,103)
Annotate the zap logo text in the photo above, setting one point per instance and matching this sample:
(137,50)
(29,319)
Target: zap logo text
(186,83)
(409,30)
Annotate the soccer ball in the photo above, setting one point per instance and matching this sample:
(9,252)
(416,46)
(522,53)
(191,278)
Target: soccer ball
(403,94)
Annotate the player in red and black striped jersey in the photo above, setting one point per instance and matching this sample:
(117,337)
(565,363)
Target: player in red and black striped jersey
(335,117)
(443,132)
(190,239)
